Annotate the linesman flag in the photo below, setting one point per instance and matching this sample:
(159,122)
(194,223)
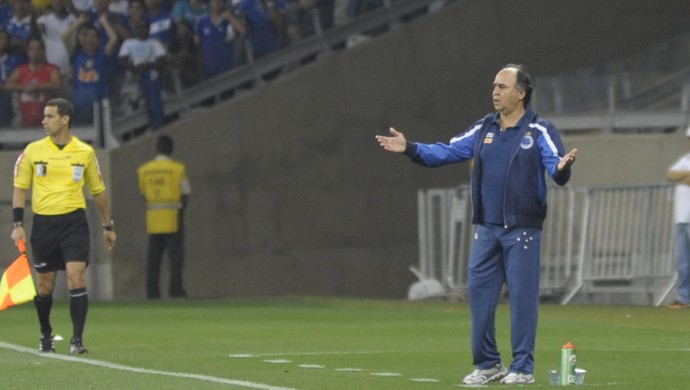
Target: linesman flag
(17,284)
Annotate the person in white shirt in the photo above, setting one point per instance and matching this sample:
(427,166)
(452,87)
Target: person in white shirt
(679,173)
(145,59)
(51,26)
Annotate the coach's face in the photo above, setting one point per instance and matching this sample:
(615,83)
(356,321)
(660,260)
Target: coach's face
(53,123)
(506,96)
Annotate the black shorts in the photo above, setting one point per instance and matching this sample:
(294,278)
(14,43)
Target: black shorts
(57,239)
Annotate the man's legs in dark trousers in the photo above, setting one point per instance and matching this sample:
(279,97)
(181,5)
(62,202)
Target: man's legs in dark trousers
(176,253)
(153,265)
(486,279)
(522,261)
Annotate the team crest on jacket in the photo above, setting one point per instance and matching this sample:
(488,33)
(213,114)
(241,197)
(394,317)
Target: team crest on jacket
(527,142)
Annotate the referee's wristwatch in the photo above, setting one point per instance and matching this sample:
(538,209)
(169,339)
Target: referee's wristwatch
(109,227)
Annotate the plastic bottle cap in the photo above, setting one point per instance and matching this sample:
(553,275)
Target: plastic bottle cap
(568,345)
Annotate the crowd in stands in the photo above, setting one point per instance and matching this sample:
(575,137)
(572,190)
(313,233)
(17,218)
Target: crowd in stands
(129,50)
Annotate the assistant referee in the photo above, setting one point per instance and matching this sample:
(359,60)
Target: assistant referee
(56,168)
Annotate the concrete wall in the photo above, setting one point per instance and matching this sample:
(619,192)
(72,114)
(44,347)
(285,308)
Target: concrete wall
(291,194)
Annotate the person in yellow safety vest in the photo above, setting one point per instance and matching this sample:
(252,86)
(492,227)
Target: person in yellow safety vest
(164,183)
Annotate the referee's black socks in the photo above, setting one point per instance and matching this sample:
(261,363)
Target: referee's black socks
(43,306)
(78,306)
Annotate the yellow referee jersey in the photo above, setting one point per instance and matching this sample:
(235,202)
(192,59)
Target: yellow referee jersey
(58,176)
(163,181)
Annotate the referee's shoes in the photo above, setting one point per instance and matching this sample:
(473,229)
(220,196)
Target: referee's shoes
(47,344)
(76,347)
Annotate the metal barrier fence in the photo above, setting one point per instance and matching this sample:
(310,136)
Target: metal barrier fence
(596,241)
(627,243)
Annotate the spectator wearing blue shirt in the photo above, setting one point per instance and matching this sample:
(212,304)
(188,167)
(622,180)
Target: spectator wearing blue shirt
(118,23)
(162,23)
(6,12)
(265,20)
(9,61)
(88,62)
(215,33)
(22,26)
(162,29)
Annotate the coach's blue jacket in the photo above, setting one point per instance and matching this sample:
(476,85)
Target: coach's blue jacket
(538,148)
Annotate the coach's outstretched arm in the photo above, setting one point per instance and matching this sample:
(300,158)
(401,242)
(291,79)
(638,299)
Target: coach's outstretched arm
(397,143)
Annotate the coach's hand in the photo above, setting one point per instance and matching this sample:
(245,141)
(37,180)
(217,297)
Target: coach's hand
(397,143)
(567,160)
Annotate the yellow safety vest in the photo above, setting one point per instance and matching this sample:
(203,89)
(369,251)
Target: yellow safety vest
(163,181)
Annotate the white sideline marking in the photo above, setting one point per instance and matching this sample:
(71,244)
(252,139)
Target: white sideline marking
(343,369)
(311,366)
(140,370)
(257,355)
(430,380)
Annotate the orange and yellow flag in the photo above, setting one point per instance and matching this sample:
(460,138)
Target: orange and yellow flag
(17,284)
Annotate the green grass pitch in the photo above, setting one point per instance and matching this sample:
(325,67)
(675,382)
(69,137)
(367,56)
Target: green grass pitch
(323,343)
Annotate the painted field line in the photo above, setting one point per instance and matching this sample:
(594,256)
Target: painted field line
(336,353)
(639,349)
(277,361)
(139,370)
(430,380)
(342,369)
(311,366)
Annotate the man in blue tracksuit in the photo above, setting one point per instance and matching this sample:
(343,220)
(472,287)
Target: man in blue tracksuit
(511,148)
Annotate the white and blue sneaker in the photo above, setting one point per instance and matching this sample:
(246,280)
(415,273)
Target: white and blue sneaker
(480,377)
(517,378)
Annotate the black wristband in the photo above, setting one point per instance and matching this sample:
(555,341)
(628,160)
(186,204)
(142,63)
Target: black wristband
(110,227)
(18,214)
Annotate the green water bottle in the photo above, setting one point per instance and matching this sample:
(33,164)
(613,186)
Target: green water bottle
(568,364)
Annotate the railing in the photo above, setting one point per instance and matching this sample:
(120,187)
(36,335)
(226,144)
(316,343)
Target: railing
(627,242)
(622,102)
(16,138)
(608,240)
